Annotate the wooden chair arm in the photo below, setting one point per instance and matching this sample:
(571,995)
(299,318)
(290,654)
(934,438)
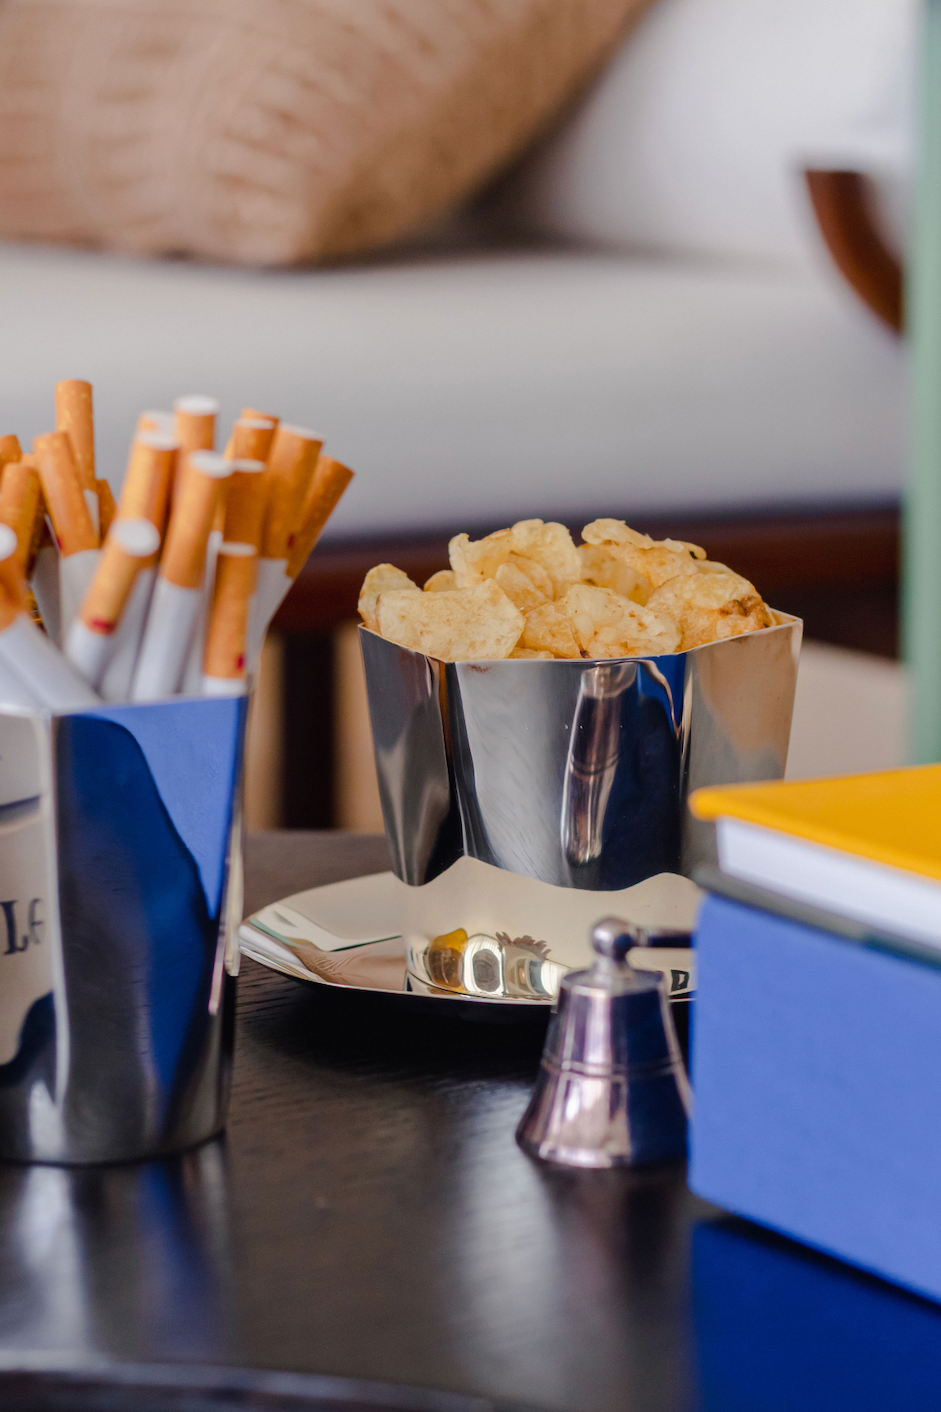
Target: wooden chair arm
(843,205)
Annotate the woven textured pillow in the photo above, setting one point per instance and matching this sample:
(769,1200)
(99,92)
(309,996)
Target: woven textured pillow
(270,131)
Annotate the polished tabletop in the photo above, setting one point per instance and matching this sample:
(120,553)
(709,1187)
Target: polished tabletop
(367,1214)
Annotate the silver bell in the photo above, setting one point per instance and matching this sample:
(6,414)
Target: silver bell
(612,1090)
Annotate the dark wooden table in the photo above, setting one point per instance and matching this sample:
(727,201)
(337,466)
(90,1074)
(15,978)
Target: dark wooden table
(369,1215)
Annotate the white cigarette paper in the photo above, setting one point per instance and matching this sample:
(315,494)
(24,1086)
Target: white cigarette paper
(44,670)
(119,673)
(76,572)
(45,586)
(14,691)
(193,671)
(223,686)
(273,584)
(167,637)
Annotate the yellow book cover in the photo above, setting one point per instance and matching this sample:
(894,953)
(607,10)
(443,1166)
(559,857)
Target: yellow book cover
(893,817)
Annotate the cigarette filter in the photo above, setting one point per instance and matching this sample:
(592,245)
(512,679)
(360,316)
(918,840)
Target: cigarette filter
(12,582)
(329,482)
(273,584)
(107,509)
(10,450)
(74,417)
(115,684)
(198,492)
(90,638)
(46,674)
(291,464)
(226,636)
(63,494)
(162,422)
(244,504)
(20,497)
(194,419)
(252,414)
(251,439)
(145,493)
(167,635)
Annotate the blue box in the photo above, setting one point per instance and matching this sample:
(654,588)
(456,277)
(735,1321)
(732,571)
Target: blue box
(816,1066)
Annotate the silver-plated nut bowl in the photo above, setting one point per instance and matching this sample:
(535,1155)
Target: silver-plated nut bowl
(575,773)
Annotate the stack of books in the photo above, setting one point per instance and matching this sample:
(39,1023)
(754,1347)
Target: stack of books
(816,1054)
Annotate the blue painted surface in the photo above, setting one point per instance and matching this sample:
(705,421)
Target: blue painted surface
(192,749)
(816,1066)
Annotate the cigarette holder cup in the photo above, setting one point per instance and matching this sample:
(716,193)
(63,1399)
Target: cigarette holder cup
(117,828)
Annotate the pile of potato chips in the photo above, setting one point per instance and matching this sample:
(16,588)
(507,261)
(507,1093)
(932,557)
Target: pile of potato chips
(529,591)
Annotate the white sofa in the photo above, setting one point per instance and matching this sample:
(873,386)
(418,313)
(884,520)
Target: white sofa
(471,387)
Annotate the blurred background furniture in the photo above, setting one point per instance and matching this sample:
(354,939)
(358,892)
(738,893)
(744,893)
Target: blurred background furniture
(657,314)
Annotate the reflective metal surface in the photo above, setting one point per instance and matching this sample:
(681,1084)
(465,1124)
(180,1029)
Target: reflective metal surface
(574,773)
(115,993)
(611,1089)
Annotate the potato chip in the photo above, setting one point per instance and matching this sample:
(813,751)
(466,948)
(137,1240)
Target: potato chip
(529,653)
(444,581)
(604,566)
(534,571)
(551,546)
(476,624)
(615,532)
(680,546)
(476,560)
(548,629)
(519,587)
(710,606)
(608,625)
(378,580)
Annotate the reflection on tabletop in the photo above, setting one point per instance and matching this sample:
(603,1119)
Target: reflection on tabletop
(131,1260)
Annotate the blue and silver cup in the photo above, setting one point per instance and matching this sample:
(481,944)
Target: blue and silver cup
(118,854)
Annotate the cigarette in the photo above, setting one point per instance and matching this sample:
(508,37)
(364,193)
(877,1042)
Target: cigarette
(76,573)
(107,509)
(90,638)
(273,584)
(115,684)
(44,581)
(12,582)
(62,492)
(74,417)
(28,652)
(253,414)
(226,637)
(13,689)
(145,493)
(194,419)
(245,502)
(192,678)
(20,497)
(291,463)
(161,422)
(198,492)
(251,439)
(329,482)
(10,450)
(177,595)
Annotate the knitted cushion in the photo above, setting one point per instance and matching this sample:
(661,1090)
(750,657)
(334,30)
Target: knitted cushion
(269,131)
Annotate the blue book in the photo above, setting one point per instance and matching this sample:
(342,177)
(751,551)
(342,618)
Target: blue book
(816,1066)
